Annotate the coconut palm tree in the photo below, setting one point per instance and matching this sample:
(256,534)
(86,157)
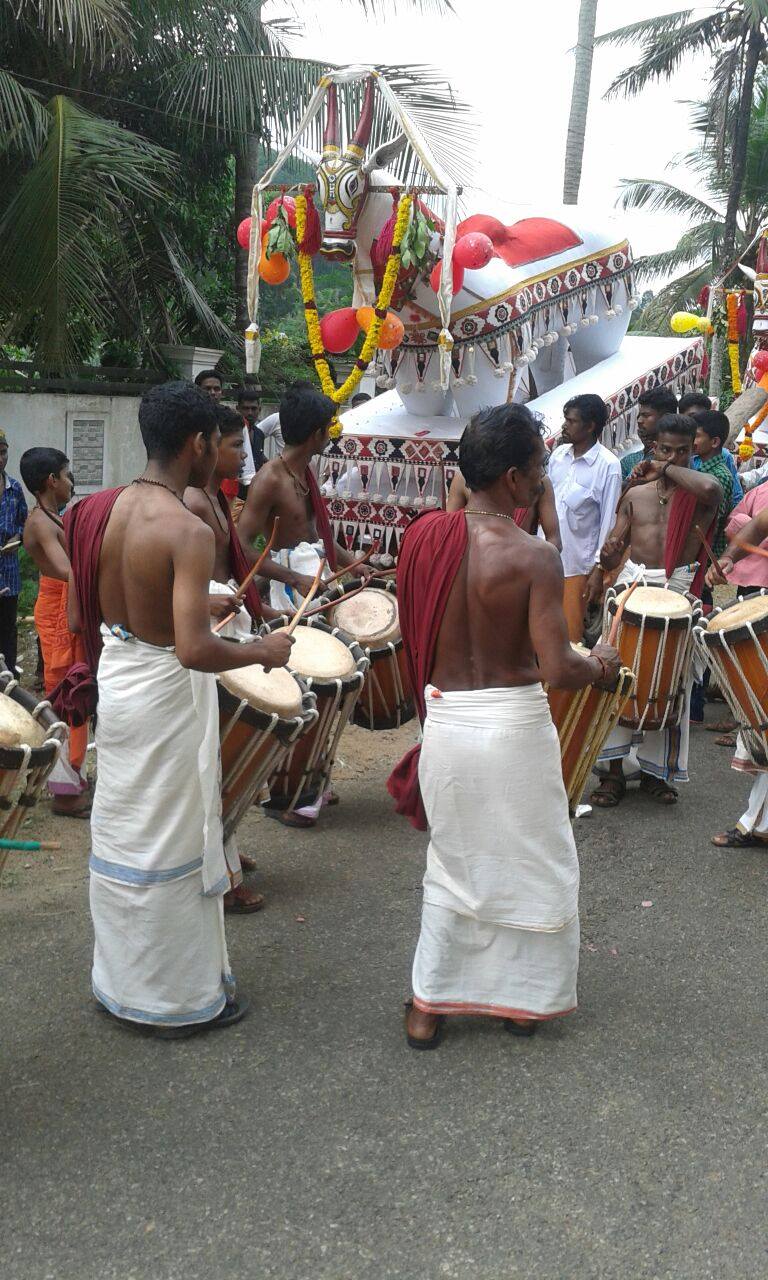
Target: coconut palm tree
(108,110)
(693,262)
(734,32)
(577,122)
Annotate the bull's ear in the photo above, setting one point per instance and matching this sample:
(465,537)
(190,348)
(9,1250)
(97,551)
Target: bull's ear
(385,154)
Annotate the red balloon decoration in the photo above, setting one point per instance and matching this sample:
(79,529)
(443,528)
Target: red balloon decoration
(473,251)
(339,329)
(437,271)
(760,362)
(289,209)
(244,233)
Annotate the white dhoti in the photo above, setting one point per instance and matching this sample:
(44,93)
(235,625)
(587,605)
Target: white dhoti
(755,821)
(500,926)
(663,753)
(303,558)
(157,863)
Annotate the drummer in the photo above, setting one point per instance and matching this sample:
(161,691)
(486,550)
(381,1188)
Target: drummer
(541,515)
(286,487)
(752,828)
(656,521)
(231,565)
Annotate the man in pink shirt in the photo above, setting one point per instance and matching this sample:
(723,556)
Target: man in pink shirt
(750,573)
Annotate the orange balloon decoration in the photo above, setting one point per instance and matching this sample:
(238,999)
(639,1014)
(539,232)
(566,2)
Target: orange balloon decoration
(365,317)
(392,332)
(274,270)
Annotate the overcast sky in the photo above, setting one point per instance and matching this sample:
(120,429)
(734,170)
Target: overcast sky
(513,61)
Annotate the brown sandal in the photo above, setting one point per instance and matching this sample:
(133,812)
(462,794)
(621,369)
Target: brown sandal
(658,790)
(735,839)
(610,793)
(242,901)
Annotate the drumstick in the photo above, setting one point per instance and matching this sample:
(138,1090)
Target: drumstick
(296,619)
(751,548)
(614,631)
(331,604)
(31,845)
(710,553)
(248,579)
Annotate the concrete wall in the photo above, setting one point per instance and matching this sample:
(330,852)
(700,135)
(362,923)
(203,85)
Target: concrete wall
(100,434)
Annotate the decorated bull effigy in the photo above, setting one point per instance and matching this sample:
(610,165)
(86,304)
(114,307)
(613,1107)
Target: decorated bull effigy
(535,311)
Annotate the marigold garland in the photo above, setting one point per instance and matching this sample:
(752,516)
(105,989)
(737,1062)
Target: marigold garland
(732,311)
(316,345)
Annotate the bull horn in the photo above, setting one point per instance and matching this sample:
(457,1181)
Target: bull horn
(748,272)
(364,125)
(331,135)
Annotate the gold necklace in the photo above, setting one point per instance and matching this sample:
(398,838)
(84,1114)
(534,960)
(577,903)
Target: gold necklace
(471,511)
(301,489)
(662,501)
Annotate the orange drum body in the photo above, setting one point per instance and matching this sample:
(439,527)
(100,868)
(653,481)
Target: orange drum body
(371,618)
(332,666)
(583,719)
(735,646)
(655,641)
(261,715)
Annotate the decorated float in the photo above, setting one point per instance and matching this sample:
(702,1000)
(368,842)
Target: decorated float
(534,311)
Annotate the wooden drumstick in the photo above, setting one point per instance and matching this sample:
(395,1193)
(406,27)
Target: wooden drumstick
(751,548)
(710,553)
(614,631)
(298,615)
(248,579)
(364,586)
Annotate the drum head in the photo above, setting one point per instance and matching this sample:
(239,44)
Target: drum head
(371,617)
(275,692)
(316,655)
(17,726)
(657,602)
(738,615)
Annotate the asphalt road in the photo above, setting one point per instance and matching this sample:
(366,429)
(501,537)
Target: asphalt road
(627,1141)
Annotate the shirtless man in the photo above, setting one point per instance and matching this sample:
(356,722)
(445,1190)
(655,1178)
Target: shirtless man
(483,625)
(657,521)
(141,565)
(231,564)
(541,514)
(47,475)
(286,487)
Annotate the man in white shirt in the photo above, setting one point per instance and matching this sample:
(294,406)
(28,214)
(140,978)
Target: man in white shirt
(248,401)
(586,478)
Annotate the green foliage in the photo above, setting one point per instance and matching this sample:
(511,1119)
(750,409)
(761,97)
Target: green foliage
(415,242)
(29,582)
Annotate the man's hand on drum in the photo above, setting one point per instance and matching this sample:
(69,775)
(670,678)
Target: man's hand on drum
(302,583)
(274,650)
(365,571)
(610,657)
(221,605)
(717,574)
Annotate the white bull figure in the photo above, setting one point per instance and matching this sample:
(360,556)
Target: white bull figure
(553,301)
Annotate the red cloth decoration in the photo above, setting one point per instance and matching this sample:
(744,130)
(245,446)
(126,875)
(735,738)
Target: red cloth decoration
(431,552)
(382,245)
(681,512)
(313,232)
(520,515)
(238,563)
(525,241)
(704,297)
(230,488)
(741,316)
(322,522)
(762,256)
(75,697)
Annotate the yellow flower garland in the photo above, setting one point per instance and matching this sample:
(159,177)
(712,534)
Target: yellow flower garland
(316,346)
(732,311)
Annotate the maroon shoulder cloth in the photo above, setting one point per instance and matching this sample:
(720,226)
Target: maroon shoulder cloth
(238,562)
(681,512)
(431,552)
(84,526)
(322,521)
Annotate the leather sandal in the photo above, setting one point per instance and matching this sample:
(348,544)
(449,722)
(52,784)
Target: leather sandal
(434,1040)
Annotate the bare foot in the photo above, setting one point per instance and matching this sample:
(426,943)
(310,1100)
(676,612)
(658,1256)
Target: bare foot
(422,1030)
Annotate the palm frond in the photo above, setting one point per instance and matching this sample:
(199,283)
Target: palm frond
(206,318)
(96,28)
(52,232)
(657,196)
(666,42)
(679,295)
(24,121)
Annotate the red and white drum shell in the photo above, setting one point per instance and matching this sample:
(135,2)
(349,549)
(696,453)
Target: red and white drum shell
(332,666)
(371,616)
(655,640)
